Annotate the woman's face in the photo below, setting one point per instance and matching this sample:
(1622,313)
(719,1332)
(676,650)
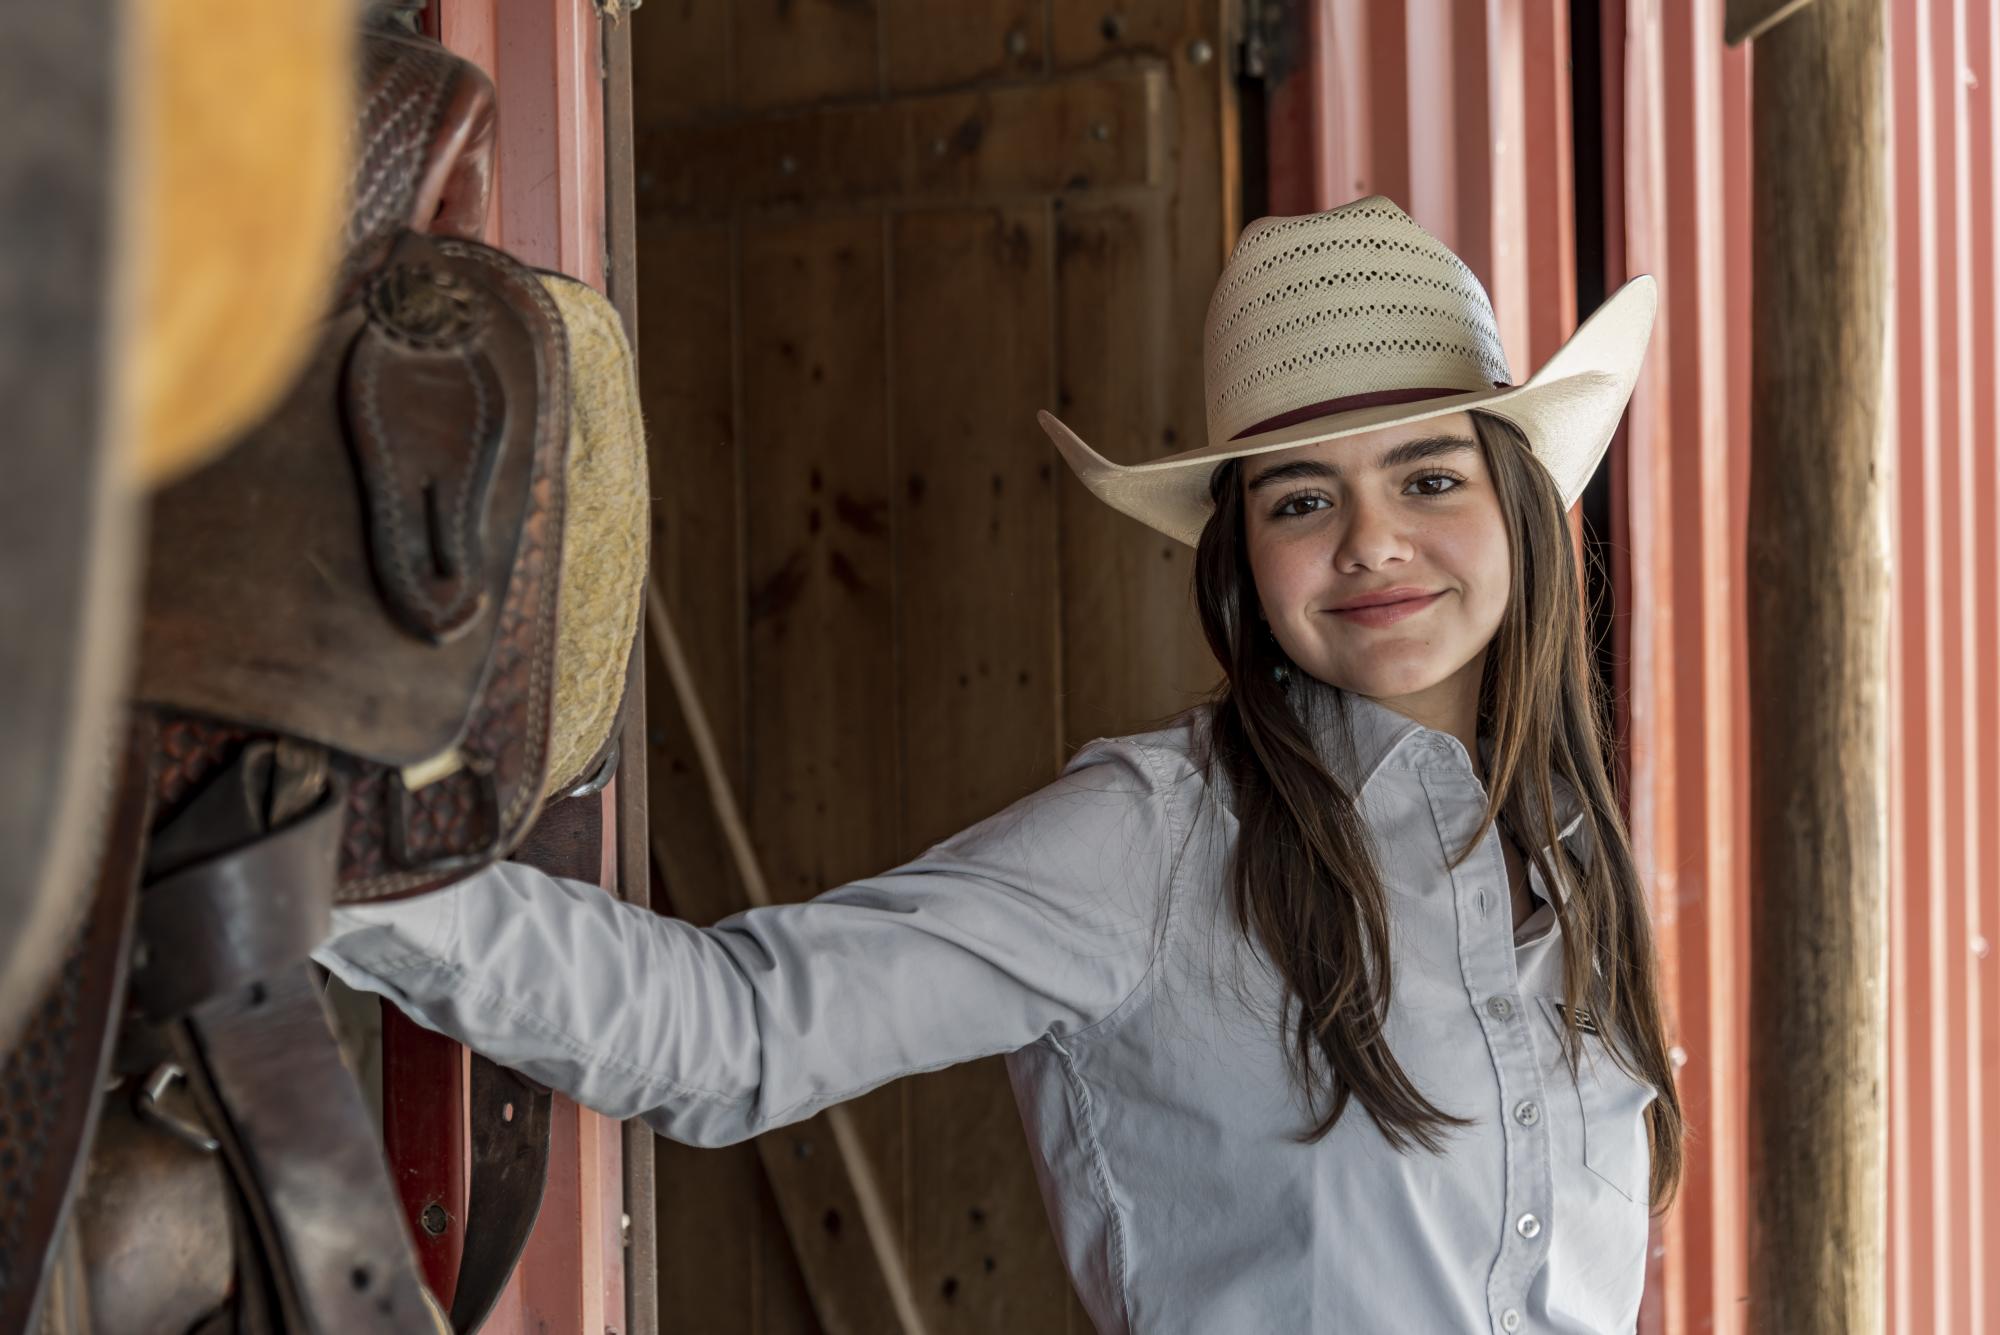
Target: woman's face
(1381,561)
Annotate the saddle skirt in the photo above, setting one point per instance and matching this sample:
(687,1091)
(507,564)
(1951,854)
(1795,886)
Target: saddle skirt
(374,569)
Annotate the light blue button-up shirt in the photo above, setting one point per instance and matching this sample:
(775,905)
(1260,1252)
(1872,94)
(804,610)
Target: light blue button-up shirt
(1085,932)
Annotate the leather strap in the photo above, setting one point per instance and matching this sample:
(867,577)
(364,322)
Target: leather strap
(267,1074)
(511,1121)
(220,925)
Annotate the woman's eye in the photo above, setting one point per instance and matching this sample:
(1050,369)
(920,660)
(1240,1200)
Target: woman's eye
(1435,484)
(1298,503)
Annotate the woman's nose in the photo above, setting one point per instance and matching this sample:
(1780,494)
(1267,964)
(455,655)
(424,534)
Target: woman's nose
(1373,538)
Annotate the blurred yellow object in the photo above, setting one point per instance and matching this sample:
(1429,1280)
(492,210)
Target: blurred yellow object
(237,167)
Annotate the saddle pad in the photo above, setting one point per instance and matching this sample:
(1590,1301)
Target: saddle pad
(604,532)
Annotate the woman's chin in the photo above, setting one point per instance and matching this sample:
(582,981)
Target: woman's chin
(1385,680)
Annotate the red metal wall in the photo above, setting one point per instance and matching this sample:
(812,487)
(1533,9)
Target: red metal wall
(1461,112)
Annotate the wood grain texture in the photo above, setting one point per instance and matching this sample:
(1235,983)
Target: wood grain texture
(1095,131)
(975,521)
(786,51)
(822,663)
(1818,609)
(1132,650)
(982,39)
(907,612)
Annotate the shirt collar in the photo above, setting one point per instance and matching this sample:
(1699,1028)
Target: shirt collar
(1357,738)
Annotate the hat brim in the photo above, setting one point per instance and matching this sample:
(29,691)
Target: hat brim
(1568,411)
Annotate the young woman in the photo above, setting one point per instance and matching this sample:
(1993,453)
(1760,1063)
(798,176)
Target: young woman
(1333,1005)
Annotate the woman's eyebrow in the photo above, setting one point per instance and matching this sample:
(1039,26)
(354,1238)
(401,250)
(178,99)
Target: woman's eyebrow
(1427,447)
(1396,456)
(1297,468)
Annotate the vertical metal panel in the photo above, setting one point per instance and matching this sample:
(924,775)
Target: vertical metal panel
(1981,1048)
(1685,195)
(1918,1203)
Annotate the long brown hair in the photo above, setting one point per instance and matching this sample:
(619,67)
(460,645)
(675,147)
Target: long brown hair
(1303,882)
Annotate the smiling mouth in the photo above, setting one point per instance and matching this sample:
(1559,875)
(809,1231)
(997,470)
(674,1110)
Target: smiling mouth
(1386,614)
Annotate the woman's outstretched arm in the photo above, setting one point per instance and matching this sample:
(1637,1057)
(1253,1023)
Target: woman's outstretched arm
(1041,919)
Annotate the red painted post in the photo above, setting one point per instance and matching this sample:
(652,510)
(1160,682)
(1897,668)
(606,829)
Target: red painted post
(549,211)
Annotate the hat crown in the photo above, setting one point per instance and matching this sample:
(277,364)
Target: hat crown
(1358,300)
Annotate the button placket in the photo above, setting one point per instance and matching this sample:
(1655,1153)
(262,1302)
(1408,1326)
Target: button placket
(1490,972)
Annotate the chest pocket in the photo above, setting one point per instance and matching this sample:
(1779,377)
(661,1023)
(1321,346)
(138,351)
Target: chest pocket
(1613,1105)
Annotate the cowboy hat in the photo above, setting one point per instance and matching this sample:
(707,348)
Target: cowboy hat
(1335,323)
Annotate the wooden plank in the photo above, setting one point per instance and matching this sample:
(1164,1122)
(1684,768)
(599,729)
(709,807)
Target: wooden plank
(1132,649)
(821,662)
(792,51)
(683,46)
(1818,587)
(975,520)
(1083,34)
(820,1172)
(707,1274)
(984,39)
(632,872)
(1091,132)
(686,303)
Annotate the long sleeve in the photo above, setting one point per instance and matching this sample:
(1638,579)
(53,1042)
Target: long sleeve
(1039,920)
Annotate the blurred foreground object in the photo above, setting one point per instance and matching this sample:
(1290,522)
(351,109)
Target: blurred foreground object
(349,672)
(170,178)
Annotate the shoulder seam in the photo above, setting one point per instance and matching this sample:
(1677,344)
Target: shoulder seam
(1161,791)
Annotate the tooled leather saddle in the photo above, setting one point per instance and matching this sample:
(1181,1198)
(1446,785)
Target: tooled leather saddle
(344,688)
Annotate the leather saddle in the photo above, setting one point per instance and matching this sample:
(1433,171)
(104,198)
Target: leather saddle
(346,686)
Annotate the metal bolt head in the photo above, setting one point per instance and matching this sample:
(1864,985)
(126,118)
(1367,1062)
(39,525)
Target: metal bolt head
(939,148)
(789,165)
(1100,131)
(1199,52)
(434,1219)
(1017,43)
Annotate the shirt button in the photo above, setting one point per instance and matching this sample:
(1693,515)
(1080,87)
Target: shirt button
(1499,1008)
(1527,1226)
(1510,1320)
(1526,1113)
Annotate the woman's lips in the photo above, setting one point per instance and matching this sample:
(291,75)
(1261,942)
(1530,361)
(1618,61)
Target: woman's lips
(1387,614)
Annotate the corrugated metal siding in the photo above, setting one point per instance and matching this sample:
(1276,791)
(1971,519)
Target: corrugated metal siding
(1461,113)
(1942,1067)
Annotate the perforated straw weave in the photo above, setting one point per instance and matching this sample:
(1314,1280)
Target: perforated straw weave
(1363,301)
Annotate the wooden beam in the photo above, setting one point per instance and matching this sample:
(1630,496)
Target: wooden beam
(634,881)
(827,1191)
(1747,20)
(1030,140)
(1818,615)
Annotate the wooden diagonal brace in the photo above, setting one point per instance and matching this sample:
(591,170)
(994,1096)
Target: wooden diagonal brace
(818,1168)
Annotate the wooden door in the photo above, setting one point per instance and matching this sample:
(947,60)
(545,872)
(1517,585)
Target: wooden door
(874,238)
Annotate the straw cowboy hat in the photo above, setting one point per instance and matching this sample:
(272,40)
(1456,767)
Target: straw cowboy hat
(1334,323)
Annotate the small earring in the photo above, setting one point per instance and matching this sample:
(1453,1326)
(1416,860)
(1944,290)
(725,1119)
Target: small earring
(1281,673)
